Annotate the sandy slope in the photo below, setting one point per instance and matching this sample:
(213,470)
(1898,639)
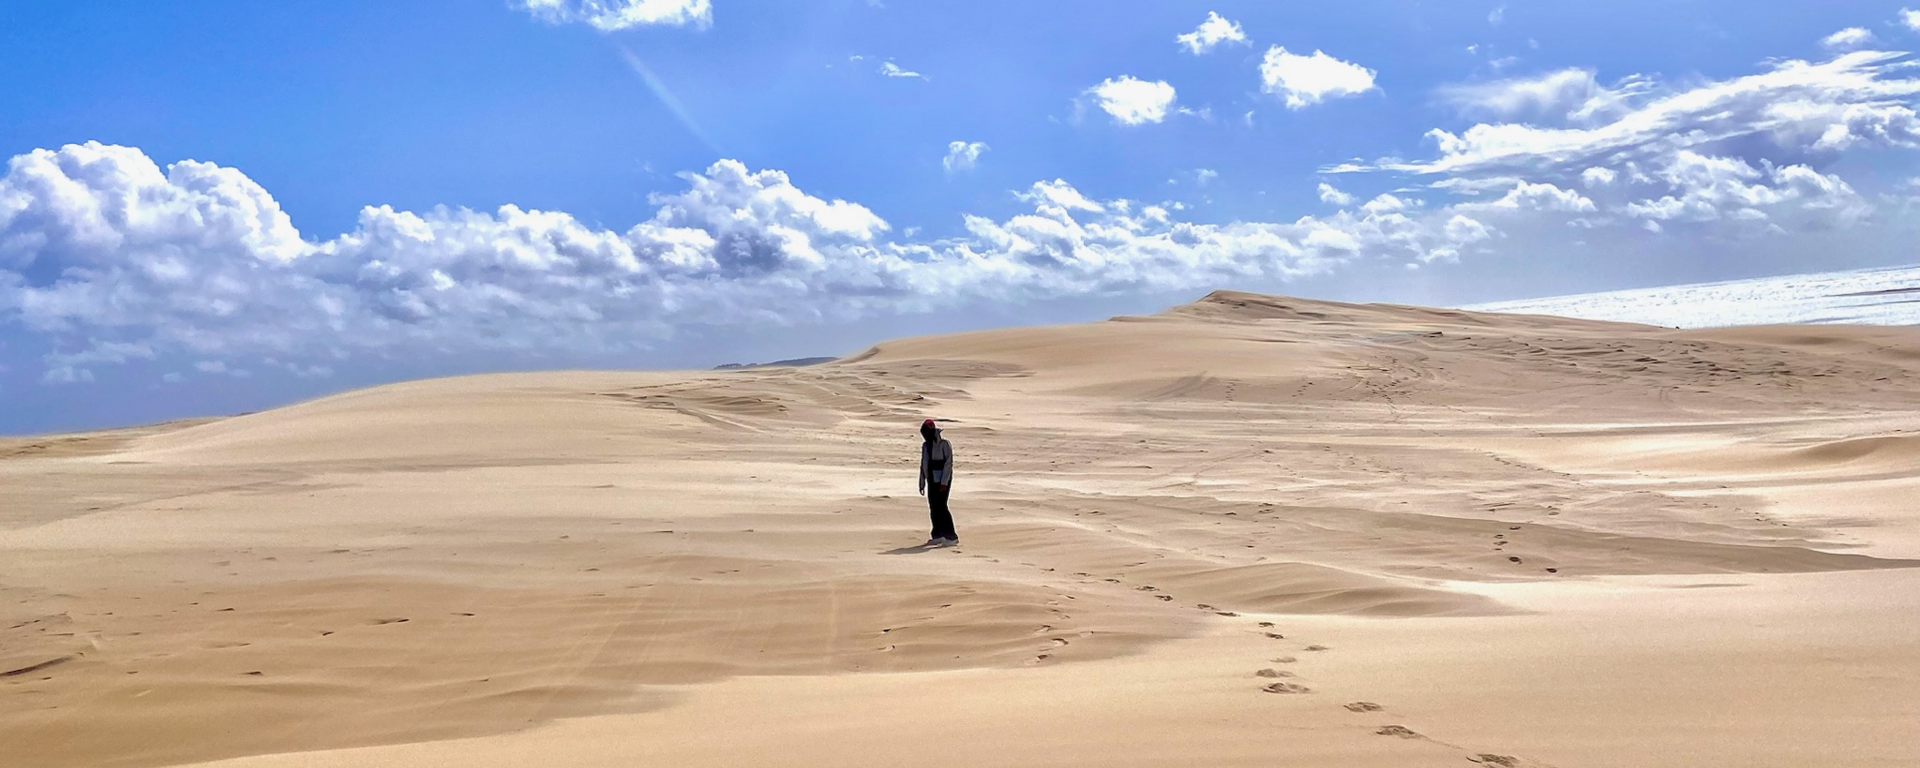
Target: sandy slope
(1249,531)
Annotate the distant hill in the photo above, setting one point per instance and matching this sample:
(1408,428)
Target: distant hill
(798,362)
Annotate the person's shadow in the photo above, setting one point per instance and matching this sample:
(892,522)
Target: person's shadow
(913,550)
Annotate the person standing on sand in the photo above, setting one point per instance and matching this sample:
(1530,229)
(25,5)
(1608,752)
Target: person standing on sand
(936,468)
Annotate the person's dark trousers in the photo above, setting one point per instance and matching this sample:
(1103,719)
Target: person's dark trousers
(937,504)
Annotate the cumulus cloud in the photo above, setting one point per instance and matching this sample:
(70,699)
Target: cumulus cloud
(1710,189)
(1526,196)
(1387,203)
(1212,33)
(1132,101)
(1599,177)
(111,258)
(963,155)
(1304,81)
(1911,18)
(1059,194)
(614,15)
(1332,196)
(1848,39)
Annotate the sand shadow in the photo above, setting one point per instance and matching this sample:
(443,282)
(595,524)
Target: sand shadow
(913,550)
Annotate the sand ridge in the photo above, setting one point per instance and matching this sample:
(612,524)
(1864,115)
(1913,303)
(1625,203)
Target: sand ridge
(1240,532)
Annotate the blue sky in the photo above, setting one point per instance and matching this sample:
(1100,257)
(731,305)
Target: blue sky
(224,206)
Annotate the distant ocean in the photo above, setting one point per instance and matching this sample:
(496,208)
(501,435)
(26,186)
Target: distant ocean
(1888,296)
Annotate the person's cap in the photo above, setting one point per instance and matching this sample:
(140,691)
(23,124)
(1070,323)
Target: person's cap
(928,424)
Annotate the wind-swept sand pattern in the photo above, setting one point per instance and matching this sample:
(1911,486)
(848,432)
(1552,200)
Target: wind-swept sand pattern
(1248,531)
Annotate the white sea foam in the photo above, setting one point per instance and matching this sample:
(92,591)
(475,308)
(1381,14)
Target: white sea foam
(1888,296)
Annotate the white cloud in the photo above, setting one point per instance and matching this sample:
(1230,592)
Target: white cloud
(1713,188)
(1332,196)
(1059,194)
(1134,102)
(1461,229)
(1497,16)
(1599,177)
(614,15)
(1701,167)
(1204,176)
(1568,94)
(1854,99)
(1388,203)
(1307,80)
(1212,33)
(891,69)
(101,261)
(963,155)
(1527,196)
(1911,18)
(1849,38)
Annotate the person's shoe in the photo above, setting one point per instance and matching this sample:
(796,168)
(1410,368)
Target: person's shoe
(950,542)
(935,543)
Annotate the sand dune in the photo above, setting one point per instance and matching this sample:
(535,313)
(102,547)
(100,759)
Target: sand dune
(1248,531)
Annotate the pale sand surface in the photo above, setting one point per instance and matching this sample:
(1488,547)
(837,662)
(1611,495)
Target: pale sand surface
(1435,536)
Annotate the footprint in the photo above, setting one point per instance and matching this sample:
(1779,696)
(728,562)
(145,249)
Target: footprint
(1276,636)
(1513,559)
(1398,730)
(1287,688)
(1364,706)
(378,622)
(1272,673)
(1500,760)
(1285,660)
(1164,598)
(1316,648)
